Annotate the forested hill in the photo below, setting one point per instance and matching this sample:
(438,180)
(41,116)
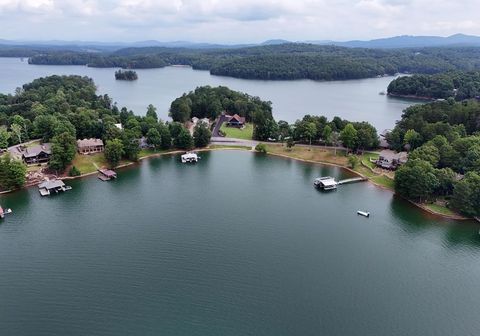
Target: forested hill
(285,61)
(457,84)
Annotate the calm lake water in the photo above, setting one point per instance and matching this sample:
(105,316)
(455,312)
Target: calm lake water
(239,244)
(356,100)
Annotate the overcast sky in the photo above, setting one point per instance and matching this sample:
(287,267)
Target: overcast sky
(234,21)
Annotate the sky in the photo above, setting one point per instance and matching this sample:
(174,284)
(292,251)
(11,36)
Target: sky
(233,21)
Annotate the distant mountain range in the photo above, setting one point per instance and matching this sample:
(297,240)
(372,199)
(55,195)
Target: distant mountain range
(404,41)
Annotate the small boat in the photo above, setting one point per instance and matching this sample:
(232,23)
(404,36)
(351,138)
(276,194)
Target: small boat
(363,213)
(190,157)
(382,93)
(4,212)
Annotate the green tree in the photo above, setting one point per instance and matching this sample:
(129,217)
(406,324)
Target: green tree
(114,151)
(310,131)
(165,136)
(17,131)
(4,137)
(348,136)
(427,153)
(201,135)
(262,148)
(63,151)
(327,134)
(152,112)
(290,143)
(416,180)
(466,195)
(180,110)
(130,145)
(153,138)
(183,140)
(12,173)
(353,161)
(412,138)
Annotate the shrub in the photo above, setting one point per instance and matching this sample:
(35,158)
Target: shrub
(261,148)
(74,171)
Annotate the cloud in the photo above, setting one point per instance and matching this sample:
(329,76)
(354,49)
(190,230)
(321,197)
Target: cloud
(233,20)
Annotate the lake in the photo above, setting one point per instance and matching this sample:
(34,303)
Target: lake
(239,244)
(355,100)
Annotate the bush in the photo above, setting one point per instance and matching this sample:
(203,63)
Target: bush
(74,171)
(261,148)
(353,161)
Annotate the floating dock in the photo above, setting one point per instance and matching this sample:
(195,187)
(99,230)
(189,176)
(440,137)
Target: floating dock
(329,183)
(106,174)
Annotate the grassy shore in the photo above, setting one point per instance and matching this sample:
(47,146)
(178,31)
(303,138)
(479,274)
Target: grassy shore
(245,133)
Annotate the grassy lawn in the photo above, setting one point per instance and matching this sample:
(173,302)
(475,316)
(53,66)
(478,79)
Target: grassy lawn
(384,181)
(317,154)
(440,209)
(89,163)
(245,133)
(366,159)
(229,147)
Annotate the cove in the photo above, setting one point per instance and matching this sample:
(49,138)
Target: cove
(239,244)
(355,100)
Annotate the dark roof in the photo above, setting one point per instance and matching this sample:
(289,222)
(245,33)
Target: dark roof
(36,150)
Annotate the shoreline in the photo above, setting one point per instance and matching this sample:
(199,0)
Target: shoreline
(207,149)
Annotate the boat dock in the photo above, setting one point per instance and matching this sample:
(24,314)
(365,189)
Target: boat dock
(106,174)
(352,180)
(329,183)
(56,186)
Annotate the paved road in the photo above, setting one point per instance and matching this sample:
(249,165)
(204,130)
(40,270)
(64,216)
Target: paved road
(221,119)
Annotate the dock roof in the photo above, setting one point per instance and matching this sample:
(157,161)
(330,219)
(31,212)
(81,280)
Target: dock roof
(53,184)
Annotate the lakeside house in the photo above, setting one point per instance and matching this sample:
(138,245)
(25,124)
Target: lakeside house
(89,146)
(143,144)
(389,159)
(235,121)
(32,155)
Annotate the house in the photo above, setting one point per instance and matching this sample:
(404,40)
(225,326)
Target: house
(119,126)
(235,121)
(89,146)
(143,144)
(389,159)
(35,154)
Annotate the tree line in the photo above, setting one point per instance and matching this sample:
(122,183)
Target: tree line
(286,61)
(456,84)
(444,160)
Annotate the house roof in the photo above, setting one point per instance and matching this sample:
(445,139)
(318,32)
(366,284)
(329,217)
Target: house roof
(236,118)
(52,184)
(89,142)
(36,150)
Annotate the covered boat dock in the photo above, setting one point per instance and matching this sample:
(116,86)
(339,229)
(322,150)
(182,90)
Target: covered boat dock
(106,174)
(56,186)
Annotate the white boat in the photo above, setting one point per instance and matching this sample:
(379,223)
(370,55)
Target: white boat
(363,213)
(189,157)
(4,212)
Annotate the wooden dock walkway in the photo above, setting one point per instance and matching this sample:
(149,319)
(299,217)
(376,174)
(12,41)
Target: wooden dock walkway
(352,180)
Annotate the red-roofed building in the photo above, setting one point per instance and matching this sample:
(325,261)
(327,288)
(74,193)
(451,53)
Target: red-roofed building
(235,121)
